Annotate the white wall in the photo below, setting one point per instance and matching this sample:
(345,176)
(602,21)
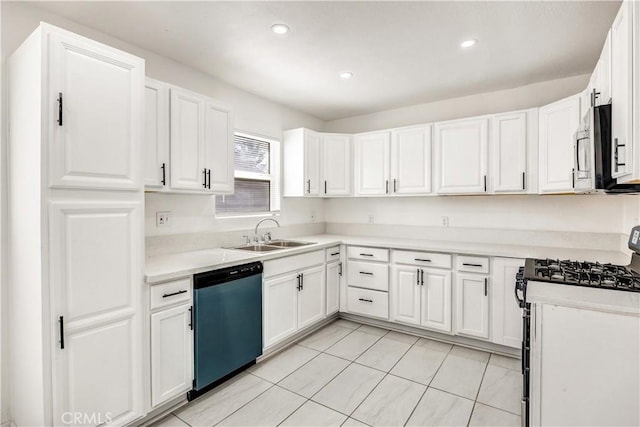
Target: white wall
(534,95)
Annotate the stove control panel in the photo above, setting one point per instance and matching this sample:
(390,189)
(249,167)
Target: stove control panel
(634,239)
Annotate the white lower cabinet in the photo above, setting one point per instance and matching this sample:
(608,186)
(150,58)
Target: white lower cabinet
(334,277)
(295,299)
(472,305)
(421,296)
(368,302)
(171,353)
(506,314)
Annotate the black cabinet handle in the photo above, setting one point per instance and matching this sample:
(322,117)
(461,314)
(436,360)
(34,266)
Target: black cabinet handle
(471,265)
(395,185)
(422,278)
(299,286)
(182,291)
(366,254)
(418,276)
(422,259)
(523,180)
(59,108)
(365,300)
(387,186)
(61,321)
(325,186)
(366,273)
(301,281)
(340,269)
(164,174)
(209,178)
(573,178)
(485,183)
(308,186)
(204,177)
(485,286)
(191,318)
(335,253)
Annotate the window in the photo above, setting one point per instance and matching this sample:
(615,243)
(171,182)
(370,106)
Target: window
(257,171)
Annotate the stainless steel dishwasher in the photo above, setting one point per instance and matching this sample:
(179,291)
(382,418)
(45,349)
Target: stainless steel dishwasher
(227,311)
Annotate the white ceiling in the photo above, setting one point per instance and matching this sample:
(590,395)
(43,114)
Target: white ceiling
(401,53)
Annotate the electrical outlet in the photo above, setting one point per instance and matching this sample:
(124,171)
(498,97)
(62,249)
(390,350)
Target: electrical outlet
(445,221)
(313,216)
(372,219)
(162,219)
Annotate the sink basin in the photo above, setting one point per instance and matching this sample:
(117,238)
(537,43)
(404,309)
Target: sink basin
(287,243)
(257,248)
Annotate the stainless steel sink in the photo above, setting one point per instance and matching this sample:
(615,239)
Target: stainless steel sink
(274,245)
(288,243)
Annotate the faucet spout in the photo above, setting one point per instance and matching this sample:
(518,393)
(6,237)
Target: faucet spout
(255,231)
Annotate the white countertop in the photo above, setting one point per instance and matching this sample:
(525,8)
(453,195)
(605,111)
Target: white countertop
(167,267)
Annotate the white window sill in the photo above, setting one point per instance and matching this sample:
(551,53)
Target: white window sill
(273,214)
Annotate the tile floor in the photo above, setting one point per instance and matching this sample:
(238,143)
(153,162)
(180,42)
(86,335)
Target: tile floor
(353,375)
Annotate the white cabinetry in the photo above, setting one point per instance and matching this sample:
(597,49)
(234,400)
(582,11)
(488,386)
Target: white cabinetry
(76,121)
(201,144)
(461,156)
(334,279)
(411,160)
(171,340)
(295,299)
(600,80)
(371,169)
(472,296)
(156,137)
(514,152)
(621,91)
(506,315)
(558,124)
(368,281)
(316,164)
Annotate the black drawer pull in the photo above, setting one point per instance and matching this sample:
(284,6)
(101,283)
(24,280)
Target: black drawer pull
(365,300)
(422,259)
(366,273)
(335,253)
(472,265)
(183,291)
(366,254)
(61,321)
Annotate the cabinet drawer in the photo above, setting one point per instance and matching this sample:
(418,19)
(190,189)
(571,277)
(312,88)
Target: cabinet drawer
(333,254)
(369,254)
(427,259)
(472,264)
(368,275)
(170,293)
(275,267)
(368,303)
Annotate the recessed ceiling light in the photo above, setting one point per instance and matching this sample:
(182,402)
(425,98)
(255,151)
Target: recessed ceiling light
(346,75)
(279,28)
(468,43)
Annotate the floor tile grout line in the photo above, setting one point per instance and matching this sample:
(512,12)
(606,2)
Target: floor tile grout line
(171,413)
(416,406)
(478,392)
(295,370)
(364,351)
(294,411)
(246,403)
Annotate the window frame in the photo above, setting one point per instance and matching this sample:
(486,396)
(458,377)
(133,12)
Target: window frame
(274,177)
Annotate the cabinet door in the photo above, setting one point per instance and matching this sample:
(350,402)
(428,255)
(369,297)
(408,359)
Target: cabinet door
(621,93)
(506,315)
(472,305)
(436,300)
(336,155)
(187,141)
(96,106)
(603,78)
(311,297)
(558,124)
(280,302)
(509,147)
(372,164)
(334,276)
(312,164)
(461,156)
(156,137)
(411,160)
(405,294)
(96,277)
(218,148)
(171,353)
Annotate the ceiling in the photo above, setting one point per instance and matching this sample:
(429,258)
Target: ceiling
(401,53)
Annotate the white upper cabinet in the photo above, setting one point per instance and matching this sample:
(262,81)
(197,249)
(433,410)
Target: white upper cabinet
(96,123)
(509,143)
(411,160)
(336,164)
(461,156)
(201,144)
(218,147)
(621,91)
(371,169)
(156,136)
(601,77)
(558,123)
(312,163)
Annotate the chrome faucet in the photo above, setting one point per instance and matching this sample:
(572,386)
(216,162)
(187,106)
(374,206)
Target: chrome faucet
(255,232)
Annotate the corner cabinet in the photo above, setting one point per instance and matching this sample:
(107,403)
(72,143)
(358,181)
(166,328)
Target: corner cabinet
(189,141)
(77,242)
(461,156)
(558,123)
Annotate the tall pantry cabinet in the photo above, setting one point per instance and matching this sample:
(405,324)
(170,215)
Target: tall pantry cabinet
(76,235)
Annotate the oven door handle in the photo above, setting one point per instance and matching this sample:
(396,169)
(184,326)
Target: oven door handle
(519,300)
